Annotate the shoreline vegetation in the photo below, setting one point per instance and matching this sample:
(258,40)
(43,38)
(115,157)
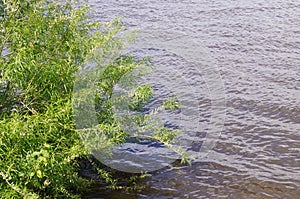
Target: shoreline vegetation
(43,44)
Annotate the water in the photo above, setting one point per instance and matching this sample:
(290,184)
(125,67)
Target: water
(256,47)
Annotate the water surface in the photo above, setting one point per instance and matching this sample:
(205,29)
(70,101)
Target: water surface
(256,46)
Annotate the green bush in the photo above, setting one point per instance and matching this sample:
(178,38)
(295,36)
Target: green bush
(43,44)
(38,153)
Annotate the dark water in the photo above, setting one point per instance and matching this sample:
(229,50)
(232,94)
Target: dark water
(256,46)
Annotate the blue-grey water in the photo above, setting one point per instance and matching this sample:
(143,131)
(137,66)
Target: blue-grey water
(256,47)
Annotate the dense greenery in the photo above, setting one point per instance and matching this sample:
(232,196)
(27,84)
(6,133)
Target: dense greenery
(43,44)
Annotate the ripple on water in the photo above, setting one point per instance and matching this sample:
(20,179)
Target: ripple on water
(256,46)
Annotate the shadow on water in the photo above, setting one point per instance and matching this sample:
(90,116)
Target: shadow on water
(125,188)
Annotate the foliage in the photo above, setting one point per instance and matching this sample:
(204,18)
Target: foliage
(47,42)
(141,96)
(37,154)
(171,103)
(43,44)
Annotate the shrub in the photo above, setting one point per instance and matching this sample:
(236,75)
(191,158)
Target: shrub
(43,43)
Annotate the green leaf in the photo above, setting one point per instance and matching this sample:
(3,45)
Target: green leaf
(39,174)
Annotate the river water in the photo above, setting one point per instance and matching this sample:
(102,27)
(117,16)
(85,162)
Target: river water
(256,47)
